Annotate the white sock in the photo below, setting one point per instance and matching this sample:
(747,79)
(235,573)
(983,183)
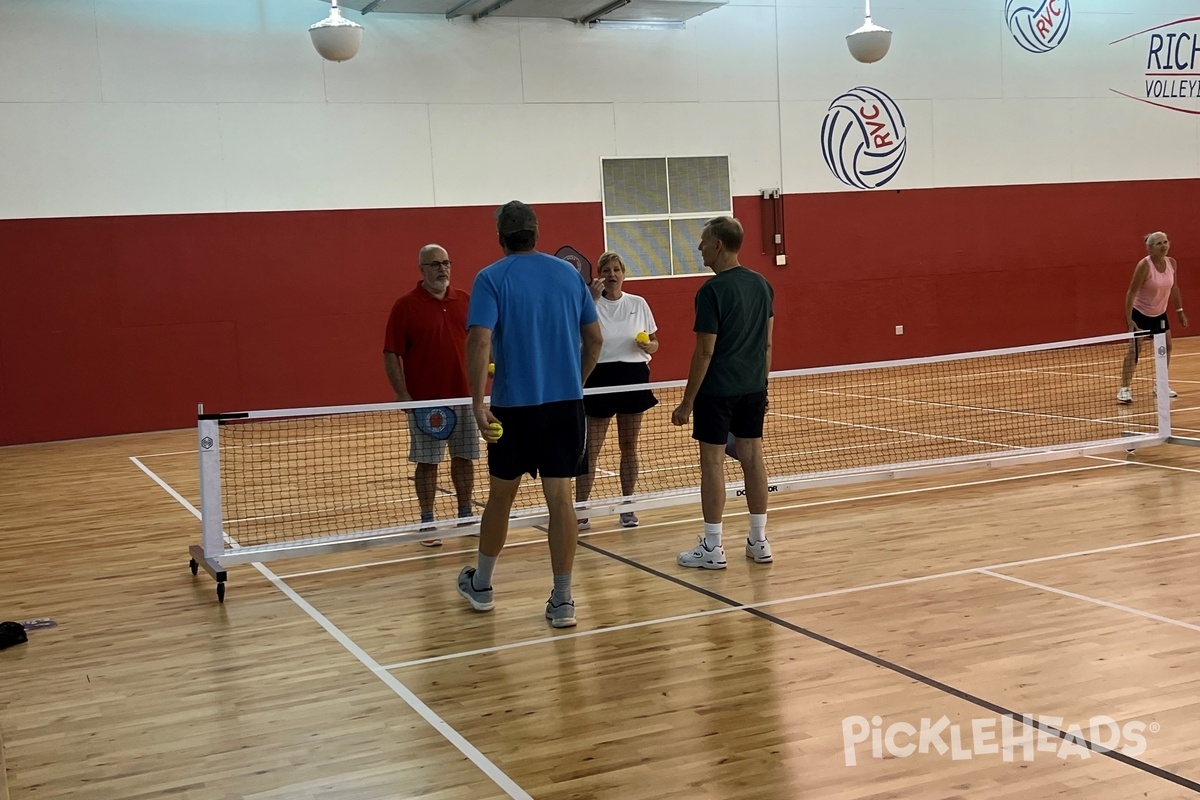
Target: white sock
(712,535)
(758,527)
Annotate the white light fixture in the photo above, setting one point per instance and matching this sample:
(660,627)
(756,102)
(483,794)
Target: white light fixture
(639,24)
(869,43)
(336,38)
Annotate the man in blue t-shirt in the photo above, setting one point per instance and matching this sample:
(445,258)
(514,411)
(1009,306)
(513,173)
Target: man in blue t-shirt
(534,314)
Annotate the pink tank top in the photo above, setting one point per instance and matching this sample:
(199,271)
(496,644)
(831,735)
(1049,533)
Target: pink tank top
(1152,298)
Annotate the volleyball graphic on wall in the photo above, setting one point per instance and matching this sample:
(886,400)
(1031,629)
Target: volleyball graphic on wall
(1039,26)
(863,138)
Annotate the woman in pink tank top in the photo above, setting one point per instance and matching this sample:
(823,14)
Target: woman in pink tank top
(1151,292)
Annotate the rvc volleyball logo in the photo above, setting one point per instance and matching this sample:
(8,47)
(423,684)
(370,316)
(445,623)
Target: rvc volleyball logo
(1039,26)
(864,138)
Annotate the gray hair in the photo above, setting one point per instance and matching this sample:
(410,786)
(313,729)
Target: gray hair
(428,249)
(1151,236)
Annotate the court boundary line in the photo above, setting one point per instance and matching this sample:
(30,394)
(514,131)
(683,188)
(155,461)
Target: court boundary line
(981,409)
(1171,467)
(911,674)
(410,698)
(728,514)
(789,600)
(1089,599)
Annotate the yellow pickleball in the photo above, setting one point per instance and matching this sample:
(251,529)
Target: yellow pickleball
(496,429)
(642,337)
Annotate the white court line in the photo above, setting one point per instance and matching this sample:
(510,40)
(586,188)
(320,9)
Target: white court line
(403,692)
(1145,464)
(779,456)
(966,407)
(892,430)
(728,515)
(961,376)
(1123,417)
(1093,600)
(796,599)
(679,618)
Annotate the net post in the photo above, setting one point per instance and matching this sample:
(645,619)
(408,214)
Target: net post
(212,541)
(1162,386)
(210,487)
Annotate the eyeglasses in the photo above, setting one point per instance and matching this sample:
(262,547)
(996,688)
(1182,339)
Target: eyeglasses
(436,264)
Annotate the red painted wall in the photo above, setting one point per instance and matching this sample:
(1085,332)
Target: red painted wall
(121,324)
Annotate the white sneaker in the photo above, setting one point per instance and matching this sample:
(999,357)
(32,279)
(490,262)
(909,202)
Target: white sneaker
(1124,395)
(584,524)
(702,557)
(758,552)
(1170,392)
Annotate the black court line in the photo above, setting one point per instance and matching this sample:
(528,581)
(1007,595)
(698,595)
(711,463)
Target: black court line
(1158,772)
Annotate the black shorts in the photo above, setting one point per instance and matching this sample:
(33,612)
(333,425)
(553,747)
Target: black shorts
(618,373)
(715,417)
(550,439)
(1157,324)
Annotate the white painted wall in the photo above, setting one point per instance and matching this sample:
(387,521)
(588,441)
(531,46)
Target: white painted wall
(180,106)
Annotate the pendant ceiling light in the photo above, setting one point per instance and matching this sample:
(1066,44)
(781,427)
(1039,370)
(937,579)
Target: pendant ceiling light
(335,37)
(869,43)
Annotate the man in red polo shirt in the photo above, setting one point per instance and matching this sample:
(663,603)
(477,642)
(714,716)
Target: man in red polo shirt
(424,353)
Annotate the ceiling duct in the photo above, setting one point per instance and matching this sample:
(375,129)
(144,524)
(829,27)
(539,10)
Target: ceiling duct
(594,13)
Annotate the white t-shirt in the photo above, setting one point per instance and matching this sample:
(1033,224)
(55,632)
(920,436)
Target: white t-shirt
(620,321)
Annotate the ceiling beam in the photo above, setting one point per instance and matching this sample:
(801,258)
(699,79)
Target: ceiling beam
(493,7)
(592,16)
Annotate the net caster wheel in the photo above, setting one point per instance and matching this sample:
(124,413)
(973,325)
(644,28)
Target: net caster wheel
(193,566)
(220,593)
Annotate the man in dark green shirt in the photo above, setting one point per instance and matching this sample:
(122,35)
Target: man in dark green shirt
(727,389)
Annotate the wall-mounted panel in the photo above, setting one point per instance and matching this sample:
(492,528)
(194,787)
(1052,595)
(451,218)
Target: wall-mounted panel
(1119,139)
(736,46)
(747,132)
(565,63)
(301,156)
(981,142)
(486,155)
(85,159)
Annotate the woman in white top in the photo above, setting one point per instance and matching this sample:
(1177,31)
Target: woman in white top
(1151,294)
(624,361)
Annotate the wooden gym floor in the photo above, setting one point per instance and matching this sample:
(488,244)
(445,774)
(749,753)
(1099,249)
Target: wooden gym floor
(1064,590)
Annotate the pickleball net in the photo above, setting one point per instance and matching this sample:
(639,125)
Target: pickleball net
(292,482)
